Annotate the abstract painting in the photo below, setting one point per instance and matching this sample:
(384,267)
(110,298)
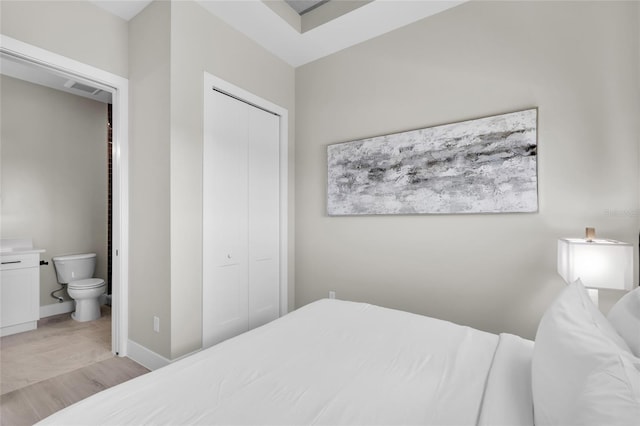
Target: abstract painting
(487,165)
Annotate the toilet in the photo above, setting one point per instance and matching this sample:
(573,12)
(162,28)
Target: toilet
(76,271)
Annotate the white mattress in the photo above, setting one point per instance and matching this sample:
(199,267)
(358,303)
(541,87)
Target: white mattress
(330,362)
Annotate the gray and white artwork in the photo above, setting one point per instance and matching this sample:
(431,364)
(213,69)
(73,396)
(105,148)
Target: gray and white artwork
(486,165)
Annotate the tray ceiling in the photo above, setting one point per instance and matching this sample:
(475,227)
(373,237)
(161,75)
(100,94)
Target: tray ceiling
(304,6)
(261,23)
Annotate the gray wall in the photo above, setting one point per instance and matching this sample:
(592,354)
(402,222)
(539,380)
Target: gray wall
(171,44)
(77,29)
(149,192)
(201,42)
(54,174)
(576,61)
(163,51)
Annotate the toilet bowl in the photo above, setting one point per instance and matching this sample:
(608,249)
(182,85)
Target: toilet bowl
(76,271)
(87,294)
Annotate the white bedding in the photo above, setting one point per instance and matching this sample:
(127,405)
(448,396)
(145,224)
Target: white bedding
(508,399)
(330,362)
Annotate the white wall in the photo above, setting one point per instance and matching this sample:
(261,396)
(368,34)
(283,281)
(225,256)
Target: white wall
(576,61)
(54,174)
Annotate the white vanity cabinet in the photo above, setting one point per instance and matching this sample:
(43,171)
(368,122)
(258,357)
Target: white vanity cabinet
(19,291)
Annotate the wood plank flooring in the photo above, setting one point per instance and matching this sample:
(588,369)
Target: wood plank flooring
(60,363)
(33,403)
(59,345)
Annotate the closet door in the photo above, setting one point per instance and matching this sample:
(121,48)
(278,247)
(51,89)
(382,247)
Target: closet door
(264,217)
(225,211)
(241,218)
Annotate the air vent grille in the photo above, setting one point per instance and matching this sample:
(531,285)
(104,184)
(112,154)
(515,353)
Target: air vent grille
(82,87)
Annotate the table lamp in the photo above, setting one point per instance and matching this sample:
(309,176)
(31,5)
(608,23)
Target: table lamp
(598,263)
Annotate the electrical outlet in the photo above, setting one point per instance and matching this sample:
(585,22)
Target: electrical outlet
(332,294)
(156,324)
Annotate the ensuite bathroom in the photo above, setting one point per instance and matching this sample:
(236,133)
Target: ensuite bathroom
(56,203)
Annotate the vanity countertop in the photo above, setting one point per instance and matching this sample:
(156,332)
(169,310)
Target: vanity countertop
(20,251)
(18,246)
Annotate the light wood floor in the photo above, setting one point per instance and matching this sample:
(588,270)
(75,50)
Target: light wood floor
(62,362)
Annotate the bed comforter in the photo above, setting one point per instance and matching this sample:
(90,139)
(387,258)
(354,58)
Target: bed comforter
(331,363)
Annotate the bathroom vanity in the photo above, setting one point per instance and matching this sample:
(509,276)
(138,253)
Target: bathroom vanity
(19,286)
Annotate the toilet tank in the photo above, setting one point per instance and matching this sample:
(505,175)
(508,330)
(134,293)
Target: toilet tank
(74,267)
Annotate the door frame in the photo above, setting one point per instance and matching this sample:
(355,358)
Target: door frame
(119,89)
(212,82)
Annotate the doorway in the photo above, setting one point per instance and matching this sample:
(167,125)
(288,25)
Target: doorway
(117,86)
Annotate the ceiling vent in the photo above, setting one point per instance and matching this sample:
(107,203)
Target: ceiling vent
(70,84)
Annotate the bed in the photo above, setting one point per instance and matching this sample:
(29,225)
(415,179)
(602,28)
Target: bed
(336,363)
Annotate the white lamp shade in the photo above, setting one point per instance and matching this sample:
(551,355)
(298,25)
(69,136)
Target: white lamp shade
(597,263)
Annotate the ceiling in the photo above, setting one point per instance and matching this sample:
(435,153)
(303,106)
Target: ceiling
(265,26)
(304,6)
(126,9)
(261,23)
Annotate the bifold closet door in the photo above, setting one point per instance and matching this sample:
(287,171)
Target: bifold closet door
(240,218)
(264,217)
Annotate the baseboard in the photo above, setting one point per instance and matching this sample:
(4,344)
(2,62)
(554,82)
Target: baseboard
(57,309)
(18,328)
(147,358)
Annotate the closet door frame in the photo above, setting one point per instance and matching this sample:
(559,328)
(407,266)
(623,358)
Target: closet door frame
(212,82)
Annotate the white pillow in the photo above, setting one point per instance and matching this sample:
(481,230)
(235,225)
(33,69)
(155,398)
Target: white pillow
(625,318)
(582,371)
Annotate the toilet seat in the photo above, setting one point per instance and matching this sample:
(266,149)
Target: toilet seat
(85,284)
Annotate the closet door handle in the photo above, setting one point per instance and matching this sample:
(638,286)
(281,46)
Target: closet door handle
(13,261)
